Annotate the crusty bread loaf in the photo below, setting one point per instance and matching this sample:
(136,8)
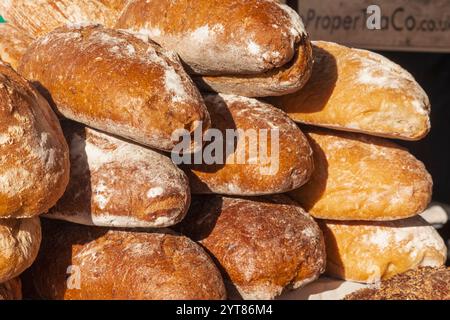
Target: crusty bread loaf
(263,244)
(11,290)
(418,284)
(19,245)
(13,44)
(34,157)
(90,263)
(287,166)
(115,5)
(119,184)
(371,251)
(39,17)
(116,82)
(357,90)
(360,177)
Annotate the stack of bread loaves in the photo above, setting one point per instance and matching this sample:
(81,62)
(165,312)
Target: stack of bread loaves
(126,76)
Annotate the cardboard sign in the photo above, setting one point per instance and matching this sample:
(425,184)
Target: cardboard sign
(404,25)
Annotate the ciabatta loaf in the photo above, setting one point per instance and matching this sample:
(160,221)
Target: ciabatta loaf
(13,44)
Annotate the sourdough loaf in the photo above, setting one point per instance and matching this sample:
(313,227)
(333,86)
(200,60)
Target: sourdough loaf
(116,82)
(11,290)
(13,44)
(19,245)
(358,90)
(372,251)
(91,263)
(263,245)
(360,177)
(277,159)
(34,157)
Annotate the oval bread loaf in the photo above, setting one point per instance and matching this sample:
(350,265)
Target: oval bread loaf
(361,91)
(116,183)
(271,154)
(19,245)
(360,177)
(372,251)
(90,263)
(34,157)
(263,244)
(116,82)
(11,290)
(13,44)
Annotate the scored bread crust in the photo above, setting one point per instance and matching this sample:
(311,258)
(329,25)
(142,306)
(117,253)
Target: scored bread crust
(372,251)
(34,157)
(263,244)
(13,44)
(19,245)
(110,264)
(288,168)
(360,177)
(11,290)
(360,91)
(116,82)
(116,183)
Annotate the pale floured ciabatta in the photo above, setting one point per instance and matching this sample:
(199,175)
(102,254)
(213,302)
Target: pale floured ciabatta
(11,290)
(357,90)
(19,242)
(259,47)
(116,82)
(115,183)
(13,44)
(269,155)
(263,244)
(34,157)
(39,17)
(372,251)
(359,177)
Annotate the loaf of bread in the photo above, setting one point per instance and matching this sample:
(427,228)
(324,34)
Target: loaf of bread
(39,17)
(116,82)
(418,284)
(91,263)
(19,245)
(34,157)
(263,245)
(360,177)
(357,90)
(372,251)
(13,44)
(243,47)
(11,290)
(271,154)
(116,183)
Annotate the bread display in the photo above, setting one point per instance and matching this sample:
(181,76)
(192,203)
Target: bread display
(263,244)
(13,44)
(271,155)
(11,290)
(19,245)
(92,263)
(371,251)
(357,90)
(34,157)
(250,48)
(116,82)
(104,168)
(419,284)
(360,177)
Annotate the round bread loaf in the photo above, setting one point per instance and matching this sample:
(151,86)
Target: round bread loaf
(90,263)
(263,245)
(13,44)
(19,245)
(371,251)
(34,157)
(11,290)
(359,177)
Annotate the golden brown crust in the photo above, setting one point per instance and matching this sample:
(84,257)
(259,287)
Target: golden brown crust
(104,168)
(288,167)
(263,245)
(13,44)
(19,245)
(418,284)
(357,90)
(11,290)
(122,265)
(372,251)
(145,95)
(34,161)
(359,177)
